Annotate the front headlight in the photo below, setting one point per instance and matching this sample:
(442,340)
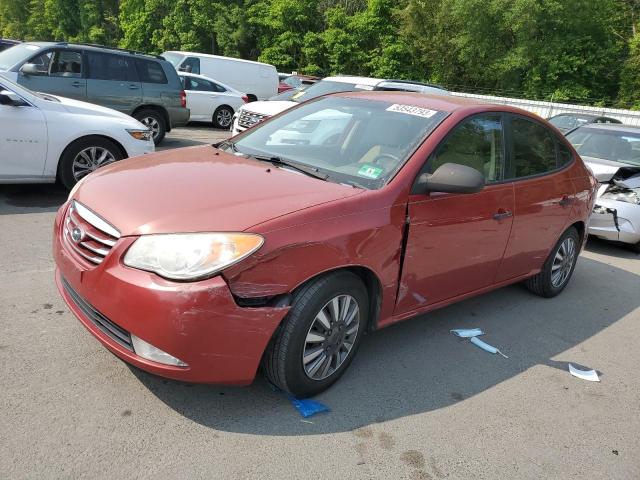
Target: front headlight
(190,256)
(145,135)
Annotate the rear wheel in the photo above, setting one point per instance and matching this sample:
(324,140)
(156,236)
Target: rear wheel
(558,268)
(84,156)
(222,117)
(320,336)
(154,121)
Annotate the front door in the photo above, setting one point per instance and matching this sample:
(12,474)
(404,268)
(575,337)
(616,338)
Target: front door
(456,241)
(61,72)
(23,141)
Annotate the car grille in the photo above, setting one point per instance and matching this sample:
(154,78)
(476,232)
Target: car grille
(106,326)
(88,235)
(248,119)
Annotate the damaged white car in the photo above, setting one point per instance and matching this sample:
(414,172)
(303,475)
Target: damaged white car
(613,154)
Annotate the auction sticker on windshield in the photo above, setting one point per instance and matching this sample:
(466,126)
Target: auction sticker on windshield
(369,171)
(411,110)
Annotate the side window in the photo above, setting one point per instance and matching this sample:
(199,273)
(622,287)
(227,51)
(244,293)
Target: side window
(186,85)
(150,71)
(201,85)
(66,63)
(477,143)
(42,62)
(191,65)
(218,88)
(534,148)
(564,155)
(105,66)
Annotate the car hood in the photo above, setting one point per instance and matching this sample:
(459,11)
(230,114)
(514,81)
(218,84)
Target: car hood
(269,108)
(608,170)
(84,108)
(198,189)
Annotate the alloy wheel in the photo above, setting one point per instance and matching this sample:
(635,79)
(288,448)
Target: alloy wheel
(90,159)
(153,125)
(563,262)
(223,117)
(331,337)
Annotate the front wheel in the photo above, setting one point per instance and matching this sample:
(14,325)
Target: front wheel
(154,121)
(223,117)
(558,268)
(320,336)
(84,156)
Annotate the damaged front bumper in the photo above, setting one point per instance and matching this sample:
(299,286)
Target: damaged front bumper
(613,220)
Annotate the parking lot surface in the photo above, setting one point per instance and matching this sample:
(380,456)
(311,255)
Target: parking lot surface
(417,403)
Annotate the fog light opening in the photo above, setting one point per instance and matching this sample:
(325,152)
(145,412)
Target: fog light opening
(149,352)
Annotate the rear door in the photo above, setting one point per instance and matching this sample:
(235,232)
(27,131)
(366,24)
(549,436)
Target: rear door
(62,72)
(203,98)
(112,81)
(456,241)
(544,195)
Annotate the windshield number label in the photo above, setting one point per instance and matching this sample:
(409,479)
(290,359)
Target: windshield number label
(369,171)
(411,110)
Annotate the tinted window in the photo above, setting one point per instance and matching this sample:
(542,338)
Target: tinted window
(66,63)
(150,71)
(534,148)
(105,66)
(477,143)
(191,65)
(564,155)
(202,85)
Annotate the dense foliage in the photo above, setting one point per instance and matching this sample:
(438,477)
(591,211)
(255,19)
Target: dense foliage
(566,50)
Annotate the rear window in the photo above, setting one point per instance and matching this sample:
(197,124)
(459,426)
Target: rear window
(150,71)
(105,66)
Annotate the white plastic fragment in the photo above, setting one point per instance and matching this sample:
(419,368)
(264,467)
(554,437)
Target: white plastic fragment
(485,346)
(467,332)
(589,375)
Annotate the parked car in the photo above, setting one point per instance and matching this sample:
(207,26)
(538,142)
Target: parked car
(143,86)
(258,80)
(257,112)
(211,101)
(296,81)
(7,43)
(613,154)
(47,138)
(285,254)
(566,122)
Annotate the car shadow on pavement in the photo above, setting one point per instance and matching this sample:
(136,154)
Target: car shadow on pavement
(604,247)
(419,366)
(38,198)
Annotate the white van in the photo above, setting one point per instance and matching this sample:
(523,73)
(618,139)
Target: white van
(258,80)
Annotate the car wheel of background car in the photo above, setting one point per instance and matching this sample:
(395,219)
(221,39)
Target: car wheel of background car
(635,247)
(222,117)
(320,335)
(84,156)
(558,268)
(154,121)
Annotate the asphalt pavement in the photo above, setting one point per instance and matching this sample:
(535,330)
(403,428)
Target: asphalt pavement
(417,403)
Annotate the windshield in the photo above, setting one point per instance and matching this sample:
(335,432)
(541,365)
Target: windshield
(173,58)
(326,87)
(619,146)
(353,141)
(16,54)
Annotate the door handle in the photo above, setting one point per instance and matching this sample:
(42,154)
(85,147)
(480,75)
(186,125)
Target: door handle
(133,87)
(566,201)
(501,214)
(77,84)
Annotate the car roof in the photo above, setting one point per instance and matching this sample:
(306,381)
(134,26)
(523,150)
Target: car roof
(370,82)
(581,115)
(616,127)
(94,47)
(220,57)
(443,103)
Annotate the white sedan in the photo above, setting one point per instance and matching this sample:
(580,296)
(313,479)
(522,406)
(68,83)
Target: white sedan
(47,138)
(211,101)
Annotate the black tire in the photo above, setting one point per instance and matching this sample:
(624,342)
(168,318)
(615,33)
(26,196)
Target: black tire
(283,360)
(635,248)
(154,120)
(219,121)
(542,283)
(66,165)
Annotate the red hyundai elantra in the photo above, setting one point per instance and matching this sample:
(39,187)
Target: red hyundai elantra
(282,246)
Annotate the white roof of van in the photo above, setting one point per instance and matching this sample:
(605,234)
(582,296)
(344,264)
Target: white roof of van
(219,57)
(372,82)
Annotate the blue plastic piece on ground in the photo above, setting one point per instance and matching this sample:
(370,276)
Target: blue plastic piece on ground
(308,408)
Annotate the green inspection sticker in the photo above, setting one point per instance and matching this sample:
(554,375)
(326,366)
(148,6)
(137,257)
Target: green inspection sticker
(369,171)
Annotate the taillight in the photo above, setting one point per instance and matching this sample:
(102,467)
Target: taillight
(245,98)
(183,99)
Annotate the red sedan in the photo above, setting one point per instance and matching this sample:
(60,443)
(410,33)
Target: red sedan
(285,244)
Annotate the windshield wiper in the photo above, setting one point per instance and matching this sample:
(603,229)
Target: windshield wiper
(227,143)
(279,161)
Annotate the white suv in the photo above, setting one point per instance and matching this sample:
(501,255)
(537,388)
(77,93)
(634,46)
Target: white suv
(45,137)
(255,112)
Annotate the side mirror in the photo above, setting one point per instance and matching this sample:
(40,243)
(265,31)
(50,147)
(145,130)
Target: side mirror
(453,178)
(32,69)
(7,97)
